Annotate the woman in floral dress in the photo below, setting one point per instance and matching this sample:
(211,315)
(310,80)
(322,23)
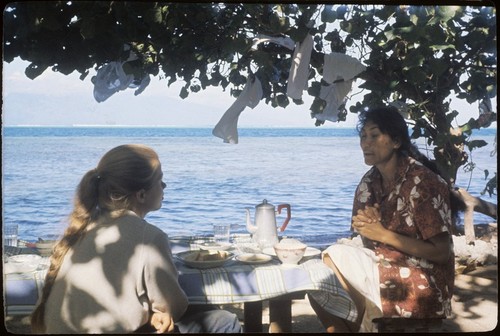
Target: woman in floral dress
(402,213)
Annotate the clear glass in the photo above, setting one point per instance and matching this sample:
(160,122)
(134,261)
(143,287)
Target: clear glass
(10,235)
(221,233)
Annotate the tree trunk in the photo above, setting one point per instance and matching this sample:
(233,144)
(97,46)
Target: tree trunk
(472,204)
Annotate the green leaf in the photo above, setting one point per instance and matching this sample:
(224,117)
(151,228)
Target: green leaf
(328,14)
(438,66)
(476,144)
(416,75)
(446,13)
(282,100)
(34,70)
(184,93)
(413,59)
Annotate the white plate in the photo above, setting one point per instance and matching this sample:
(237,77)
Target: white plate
(191,258)
(24,258)
(15,267)
(254,258)
(213,246)
(310,251)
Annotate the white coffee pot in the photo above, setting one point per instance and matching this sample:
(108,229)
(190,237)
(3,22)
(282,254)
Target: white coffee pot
(265,231)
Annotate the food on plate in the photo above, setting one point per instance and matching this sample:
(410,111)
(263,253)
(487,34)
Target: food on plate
(206,255)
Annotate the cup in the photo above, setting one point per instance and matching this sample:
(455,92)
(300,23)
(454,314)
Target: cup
(10,235)
(221,233)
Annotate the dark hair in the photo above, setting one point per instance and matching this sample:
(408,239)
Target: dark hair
(391,122)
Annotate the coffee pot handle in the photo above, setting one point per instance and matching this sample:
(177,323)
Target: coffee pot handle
(288,215)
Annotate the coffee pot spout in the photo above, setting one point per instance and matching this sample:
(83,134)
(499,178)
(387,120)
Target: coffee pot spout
(251,228)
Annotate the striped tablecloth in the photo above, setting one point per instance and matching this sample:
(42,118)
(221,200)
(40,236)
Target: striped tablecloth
(236,283)
(22,290)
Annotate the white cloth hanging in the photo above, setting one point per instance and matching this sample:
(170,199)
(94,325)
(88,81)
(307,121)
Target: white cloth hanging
(339,71)
(299,70)
(142,86)
(339,66)
(335,95)
(110,79)
(284,41)
(227,127)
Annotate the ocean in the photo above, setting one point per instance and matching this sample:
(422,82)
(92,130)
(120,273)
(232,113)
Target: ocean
(315,170)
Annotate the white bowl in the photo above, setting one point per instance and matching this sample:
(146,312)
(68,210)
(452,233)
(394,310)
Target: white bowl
(290,253)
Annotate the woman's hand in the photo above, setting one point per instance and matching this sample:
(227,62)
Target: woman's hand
(367,222)
(162,322)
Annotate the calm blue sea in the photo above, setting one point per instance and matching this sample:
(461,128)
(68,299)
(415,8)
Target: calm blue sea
(314,169)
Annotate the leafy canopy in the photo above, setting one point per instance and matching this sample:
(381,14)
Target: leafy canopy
(417,57)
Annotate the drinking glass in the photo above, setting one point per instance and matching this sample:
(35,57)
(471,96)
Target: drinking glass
(221,233)
(10,235)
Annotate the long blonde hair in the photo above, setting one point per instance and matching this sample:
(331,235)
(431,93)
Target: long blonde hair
(121,172)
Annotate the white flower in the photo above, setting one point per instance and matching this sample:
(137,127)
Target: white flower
(414,194)
(404,272)
(363,193)
(385,263)
(400,204)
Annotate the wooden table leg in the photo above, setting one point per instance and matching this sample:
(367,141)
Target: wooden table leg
(253,316)
(280,316)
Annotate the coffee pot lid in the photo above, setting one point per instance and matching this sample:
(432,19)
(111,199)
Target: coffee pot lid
(264,205)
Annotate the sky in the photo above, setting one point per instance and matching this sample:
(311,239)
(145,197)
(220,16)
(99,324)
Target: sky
(53,99)
(56,99)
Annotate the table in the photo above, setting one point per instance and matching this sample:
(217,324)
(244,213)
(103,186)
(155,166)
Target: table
(252,284)
(234,282)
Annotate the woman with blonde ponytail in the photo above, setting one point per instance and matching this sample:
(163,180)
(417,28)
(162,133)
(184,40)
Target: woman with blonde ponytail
(112,271)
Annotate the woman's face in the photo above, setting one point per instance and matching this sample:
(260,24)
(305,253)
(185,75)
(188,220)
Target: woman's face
(378,148)
(154,195)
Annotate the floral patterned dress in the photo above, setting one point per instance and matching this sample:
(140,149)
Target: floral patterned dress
(418,206)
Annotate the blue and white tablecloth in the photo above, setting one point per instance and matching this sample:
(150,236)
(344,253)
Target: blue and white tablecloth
(235,283)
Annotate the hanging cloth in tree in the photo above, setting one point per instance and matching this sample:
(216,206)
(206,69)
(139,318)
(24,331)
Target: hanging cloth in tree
(334,95)
(299,71)
(339,71)
(227,127)
(338,66)
(110,79)
(283,41)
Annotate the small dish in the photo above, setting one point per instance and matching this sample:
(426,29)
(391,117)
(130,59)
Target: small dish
(310,252)
(254,258)
(204,258)
(290,251)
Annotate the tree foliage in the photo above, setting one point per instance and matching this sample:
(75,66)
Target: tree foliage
(417,57)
